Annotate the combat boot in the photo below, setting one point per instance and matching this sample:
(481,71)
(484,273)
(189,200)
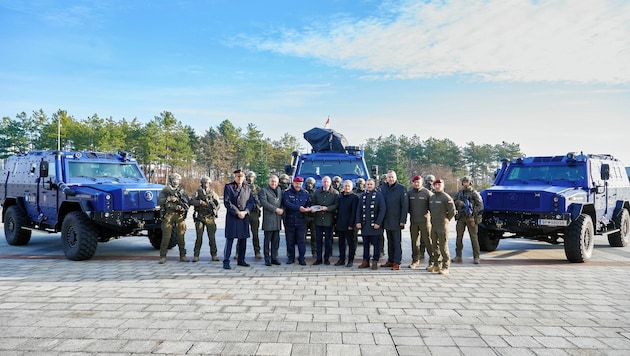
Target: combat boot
(162,260)
(444,271)
(195,259)
(476,261)
(457,259)
(184,259)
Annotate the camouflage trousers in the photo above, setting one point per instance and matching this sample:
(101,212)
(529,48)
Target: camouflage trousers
(173,222)
(461,226)
(201,224)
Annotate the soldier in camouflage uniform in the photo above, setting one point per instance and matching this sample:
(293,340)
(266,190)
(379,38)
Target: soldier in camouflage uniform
(336,183)
(174,203)
(360,186)
(469,206)
(284,182)
(254,215)
(206,203)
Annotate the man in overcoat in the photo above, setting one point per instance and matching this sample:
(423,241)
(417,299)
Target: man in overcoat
(239,201)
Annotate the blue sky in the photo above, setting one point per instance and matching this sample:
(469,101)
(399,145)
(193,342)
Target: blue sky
(553,76)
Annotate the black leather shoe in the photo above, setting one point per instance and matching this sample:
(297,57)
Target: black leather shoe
(275,262)
(226,266)
(349,264)
(340,263)
(244,264)
(317,262)
(267,263)
(302,263)
(326,262)
(290,262)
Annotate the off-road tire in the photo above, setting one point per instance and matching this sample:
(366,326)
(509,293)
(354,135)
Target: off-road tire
(14,220)
(488,241)
(79,236)
(579,239)
(620,238)
(155,237)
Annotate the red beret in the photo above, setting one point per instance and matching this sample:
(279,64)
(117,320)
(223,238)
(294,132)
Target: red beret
(298,179)
(437,181)
(415,178)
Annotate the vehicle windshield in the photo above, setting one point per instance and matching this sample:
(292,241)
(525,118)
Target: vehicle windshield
(103,170)
(547,174)
(331,168)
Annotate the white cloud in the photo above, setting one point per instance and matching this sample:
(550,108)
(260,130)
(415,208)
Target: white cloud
(580,41)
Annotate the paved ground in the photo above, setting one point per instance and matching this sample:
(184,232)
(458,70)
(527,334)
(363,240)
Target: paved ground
(524,299)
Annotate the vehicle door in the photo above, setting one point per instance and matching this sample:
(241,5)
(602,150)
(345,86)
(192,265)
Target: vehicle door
(48,191)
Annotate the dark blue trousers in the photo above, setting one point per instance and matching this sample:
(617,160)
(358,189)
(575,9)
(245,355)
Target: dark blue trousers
(296,235)
(374,241)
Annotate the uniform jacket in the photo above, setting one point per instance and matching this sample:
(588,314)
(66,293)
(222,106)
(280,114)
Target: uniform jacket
(173,200)
(397,206)
(212,200)
(474,202)
(442,209)
(419,205)
(330,199)
(292,200)
(237,199)
(370,211)
(270,200)
(347,211)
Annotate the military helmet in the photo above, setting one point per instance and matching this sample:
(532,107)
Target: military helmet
(284,177)
(337,179)
(429,178)
(205,179)
(310,180)
(465,179)
(360,181)
(251,174)
(174,177)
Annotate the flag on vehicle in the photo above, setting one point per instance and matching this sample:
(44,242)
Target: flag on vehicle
(327,124)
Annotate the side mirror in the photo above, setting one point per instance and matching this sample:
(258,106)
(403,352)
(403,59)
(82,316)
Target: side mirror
(43,169)
(605,171)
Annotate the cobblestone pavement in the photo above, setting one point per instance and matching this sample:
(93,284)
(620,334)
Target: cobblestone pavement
(524,299)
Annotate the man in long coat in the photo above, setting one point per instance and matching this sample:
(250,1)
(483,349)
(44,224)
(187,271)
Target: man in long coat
(239,201)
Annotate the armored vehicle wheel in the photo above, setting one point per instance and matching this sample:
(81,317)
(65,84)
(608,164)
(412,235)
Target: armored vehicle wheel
(155,237)
(14,220)
(488,241)
(620,239)
(79,237)
(579,239)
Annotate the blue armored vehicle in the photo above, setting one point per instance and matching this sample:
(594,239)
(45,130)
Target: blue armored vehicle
(567,199)
(89,197)
(330,156)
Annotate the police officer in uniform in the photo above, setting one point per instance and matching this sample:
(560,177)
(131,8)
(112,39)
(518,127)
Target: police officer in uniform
(296,202)
(442,211)
(469,206)
(206,203)
(174,203)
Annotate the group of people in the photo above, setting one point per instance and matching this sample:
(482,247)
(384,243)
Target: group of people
(376,209)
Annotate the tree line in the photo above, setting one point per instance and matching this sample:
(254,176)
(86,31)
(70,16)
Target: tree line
(165,144)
